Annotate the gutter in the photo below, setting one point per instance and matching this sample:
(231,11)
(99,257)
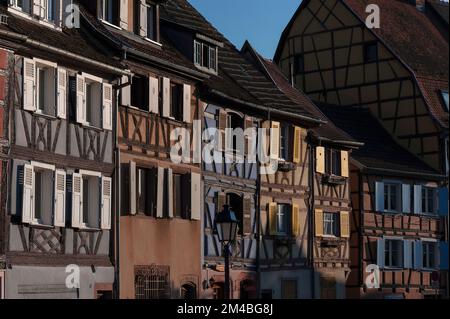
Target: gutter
(342,142)
(266,109)
(380,171)
(52,49)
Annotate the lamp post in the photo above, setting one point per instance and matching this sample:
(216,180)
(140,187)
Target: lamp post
(226,226)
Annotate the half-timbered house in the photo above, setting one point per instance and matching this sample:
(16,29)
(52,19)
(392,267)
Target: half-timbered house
(158,247)
(57,111)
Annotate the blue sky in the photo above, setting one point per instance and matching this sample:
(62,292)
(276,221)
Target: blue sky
(259,21)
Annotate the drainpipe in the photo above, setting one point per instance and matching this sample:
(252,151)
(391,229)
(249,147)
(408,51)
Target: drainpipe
(311,219)
(360,229)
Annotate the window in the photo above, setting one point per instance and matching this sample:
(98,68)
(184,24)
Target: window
(91,202)
(93,102)
(235,121)
(139,93)
(189,291)
(445,99)
(393,253)
(205,55)
(48,10)
(21,5)
(429,200)
(392,197)
(181,195)
(284,142)
(429,255)
(289,289)
(299,64)
(370,52)
(282,219)
(333,162)
(146,191)
(152,282)
(331,224)
(236,204)
(46,98)
(111,11)
(151,22)
(176,101)
(43,199)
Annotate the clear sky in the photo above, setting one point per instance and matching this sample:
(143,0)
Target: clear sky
(259,21)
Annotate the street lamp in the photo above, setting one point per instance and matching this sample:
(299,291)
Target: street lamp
(226,226)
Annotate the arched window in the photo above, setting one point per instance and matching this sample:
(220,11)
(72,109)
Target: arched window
(235,201)
(189,291)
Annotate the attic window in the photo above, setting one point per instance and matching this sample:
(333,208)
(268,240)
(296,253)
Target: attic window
(110,11)
(445,99)
(205,56)
(370,52)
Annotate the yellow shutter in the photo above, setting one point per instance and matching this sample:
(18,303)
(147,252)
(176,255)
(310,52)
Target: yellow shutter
(273,207)
(320,159)
(344,164)
(295,220)
(345,224)
(297,157)
(275,140)
(304,144)
(319,222)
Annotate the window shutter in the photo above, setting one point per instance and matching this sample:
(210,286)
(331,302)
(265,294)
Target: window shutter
(247,215)
(133,185)
(344,164)
(407,251)
(107,106)
(417,199)
(406,198)
(60,199)
(166,97)
(124,14)
(443,201)
(275,140)
(196,196)
(28,194)
(295,220)
(77,200)
(62,93)
(160,194)
(187,103)
(154,95)
(379,196)
(169,173)
(418,255)
(304,144)
(319,222)
(37,7)
(143,19)
(297,145)
(223,119)
(81,100)
(273,208)
(345,224)
(221,200)
(320,159)
(29,85)
(106,203)
(248,142)
(125,92)
(380,252)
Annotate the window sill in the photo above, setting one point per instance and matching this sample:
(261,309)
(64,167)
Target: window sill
(285,166)
(153,42)
(205,69)
(36,224)
(50,24)
(88,229)
(110,24)
(19,12)
(43,115)
(92,127)
(334,179)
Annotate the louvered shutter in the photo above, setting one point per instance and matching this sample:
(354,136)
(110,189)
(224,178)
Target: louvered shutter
(408,254)
(344,164)
(133,184)
(124,14)
(318,215)
(379,196)
(247,215)
(345,224)
(60,199)
(166,97)
(143,18)
(297,145)
(125,92)
(28,194)
(275,140)
(196,200)
(29,85)
(320,159)
(418,255)
(62,93)
(107,106)
(295,220)
(169,174)
(273,209)
(160,194)
(406,198)
(77,200)
(187,103)
(381,252)
(106,203)
(417,199)
(81,99)
(154,95)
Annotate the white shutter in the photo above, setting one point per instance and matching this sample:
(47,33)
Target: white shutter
(154,94)
(124,14)
(406,198)
(106,203)
(196,184)
(107,106)
(417,199)
(77,200)
(62,96)
(81,99)
(170,192)
(125,93)
(36,7)
(407,254)
(60,199)
(160,194)
(166,97)
(418,255)
(29,85)
(28,194)
(379,196)
(143,19)
(380,252)
(187,103)
(133,198)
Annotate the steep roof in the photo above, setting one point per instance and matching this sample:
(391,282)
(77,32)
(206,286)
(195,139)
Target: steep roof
(441,8)
(380,150)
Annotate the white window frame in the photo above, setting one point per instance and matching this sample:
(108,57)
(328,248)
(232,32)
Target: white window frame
(402,251)
(398,186)
(47,167)
(98,175)
(211,47)
(39,64)
(425,190)
(92,78)
(435,243)
(146,35)
(102,19)
(335,224)
(14,8)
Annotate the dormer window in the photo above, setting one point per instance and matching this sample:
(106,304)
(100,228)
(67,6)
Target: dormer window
(20,5)
(444,95)
(43,10)
(146,19)
(111,11)
(205,56)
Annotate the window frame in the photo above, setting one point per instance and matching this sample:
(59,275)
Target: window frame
(330,161)
(387,205)
(98,175)
(39,65)
(103,16)
(335,224)
(424,197)
(211,48)
(176,117)
(285,217)
(427,263)
(98,81)
(388,251)
(43,167)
